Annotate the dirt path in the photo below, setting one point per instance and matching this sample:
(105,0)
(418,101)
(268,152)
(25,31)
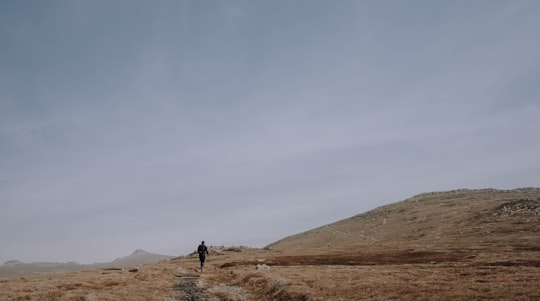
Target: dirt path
(189,290)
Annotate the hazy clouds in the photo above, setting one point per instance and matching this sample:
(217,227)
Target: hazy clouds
(154,125)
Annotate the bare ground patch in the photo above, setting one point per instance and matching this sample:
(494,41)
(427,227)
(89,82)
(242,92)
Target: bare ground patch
(379,258)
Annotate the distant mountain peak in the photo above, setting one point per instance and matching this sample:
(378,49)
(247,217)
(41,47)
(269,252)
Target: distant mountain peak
(13,262)
(139,251)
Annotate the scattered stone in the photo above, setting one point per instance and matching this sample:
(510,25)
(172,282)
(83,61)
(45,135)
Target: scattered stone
(519,207)
(262,267)
(189,291)
(133,270)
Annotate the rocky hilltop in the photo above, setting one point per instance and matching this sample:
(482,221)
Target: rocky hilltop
(485,218)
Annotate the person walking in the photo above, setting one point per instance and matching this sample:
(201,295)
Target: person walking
(203,251)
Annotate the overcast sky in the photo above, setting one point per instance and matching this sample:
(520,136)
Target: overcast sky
(157,124)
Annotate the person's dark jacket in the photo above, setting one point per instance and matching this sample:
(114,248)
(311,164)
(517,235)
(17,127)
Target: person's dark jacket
(202,250)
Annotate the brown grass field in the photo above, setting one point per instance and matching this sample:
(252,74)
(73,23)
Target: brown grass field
(485,247)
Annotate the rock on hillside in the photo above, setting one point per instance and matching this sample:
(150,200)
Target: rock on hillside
(485,218)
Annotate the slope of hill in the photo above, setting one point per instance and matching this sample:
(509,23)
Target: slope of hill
(454,219)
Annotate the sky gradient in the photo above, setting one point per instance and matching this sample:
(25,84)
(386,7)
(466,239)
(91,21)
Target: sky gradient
(158,124)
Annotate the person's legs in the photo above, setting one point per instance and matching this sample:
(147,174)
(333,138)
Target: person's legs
(202,258)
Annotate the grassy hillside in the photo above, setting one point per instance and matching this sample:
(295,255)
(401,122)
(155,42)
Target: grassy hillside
(453,219)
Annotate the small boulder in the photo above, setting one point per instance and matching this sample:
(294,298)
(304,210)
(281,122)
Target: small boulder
(262,267)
